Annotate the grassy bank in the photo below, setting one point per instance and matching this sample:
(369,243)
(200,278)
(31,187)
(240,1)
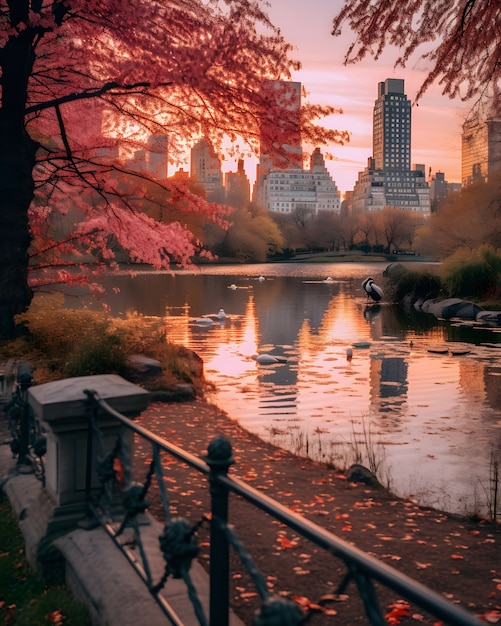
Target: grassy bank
(25,598)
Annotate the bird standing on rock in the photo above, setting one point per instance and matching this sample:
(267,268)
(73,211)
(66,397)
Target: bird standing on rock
(372,290)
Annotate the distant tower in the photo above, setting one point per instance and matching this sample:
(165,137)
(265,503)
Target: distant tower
(277,133)
(438,190)
(157,156)
(138,161)
(286,95)
(481,149)
(391,135)
(206,170)
(238,188)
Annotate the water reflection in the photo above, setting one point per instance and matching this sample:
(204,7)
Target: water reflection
(431,421)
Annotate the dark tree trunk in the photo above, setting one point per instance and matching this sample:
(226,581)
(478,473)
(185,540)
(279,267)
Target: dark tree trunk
(16,193)
(17,160)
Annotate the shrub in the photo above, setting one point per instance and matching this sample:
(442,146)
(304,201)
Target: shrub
(62,343)
(416,284)
(90,357)
(474,273)
(56,331)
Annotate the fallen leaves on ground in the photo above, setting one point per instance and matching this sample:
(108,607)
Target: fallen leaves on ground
(55,617)
(286,543)
(491,617)
(399,608)
(307,605)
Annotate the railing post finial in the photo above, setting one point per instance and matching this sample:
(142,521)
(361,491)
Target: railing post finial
(219,454)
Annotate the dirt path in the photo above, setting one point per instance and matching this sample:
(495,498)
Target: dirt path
(458,558)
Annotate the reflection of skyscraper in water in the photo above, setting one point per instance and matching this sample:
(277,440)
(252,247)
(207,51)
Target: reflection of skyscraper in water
(492,375)
(393,381)
(280,320)
(389,383)
(480,380)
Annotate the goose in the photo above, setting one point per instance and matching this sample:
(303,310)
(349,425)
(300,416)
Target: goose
(372,290)
(267,359)
(220,316)
(204,321)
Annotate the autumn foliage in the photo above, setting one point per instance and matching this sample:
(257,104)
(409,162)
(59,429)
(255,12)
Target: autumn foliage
(459,40)
(79,74)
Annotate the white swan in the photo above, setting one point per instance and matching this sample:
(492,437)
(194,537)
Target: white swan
(220,316)
(261,279)
(204,321)
(232,286)
(267,359)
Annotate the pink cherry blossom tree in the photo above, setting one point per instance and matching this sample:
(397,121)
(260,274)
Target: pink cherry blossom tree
(76,74)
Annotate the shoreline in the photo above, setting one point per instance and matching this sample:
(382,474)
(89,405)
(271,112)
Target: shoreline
(458,557)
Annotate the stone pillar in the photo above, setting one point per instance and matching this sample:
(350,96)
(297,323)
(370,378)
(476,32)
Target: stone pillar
(63,409)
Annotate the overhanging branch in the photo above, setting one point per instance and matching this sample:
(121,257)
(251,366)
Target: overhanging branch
(89,93)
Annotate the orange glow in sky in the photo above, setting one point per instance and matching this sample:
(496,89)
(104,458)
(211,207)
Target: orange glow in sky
(436,122)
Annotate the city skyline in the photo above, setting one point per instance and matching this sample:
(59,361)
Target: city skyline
(437,121)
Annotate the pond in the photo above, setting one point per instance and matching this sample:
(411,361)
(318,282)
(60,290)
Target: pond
(354,381)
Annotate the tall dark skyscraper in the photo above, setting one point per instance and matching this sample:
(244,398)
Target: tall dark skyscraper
(391,136)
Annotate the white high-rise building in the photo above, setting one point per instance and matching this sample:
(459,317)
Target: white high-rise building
(284,191)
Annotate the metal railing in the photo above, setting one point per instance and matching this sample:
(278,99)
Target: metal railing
(179,546)
(28,442)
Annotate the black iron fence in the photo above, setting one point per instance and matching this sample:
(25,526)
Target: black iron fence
(179,545)
(27,442)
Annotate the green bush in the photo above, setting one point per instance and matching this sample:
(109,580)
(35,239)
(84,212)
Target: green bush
(474,273)
(61,343)
(416,284)
(96,357)
(72,342)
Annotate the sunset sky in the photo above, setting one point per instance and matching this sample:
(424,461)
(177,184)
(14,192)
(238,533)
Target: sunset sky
(436,122)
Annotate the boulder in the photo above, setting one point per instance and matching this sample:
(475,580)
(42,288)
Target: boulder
(492,318)
(184,392)
(360,474)
(452,307)
(193,361)
(144,365)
